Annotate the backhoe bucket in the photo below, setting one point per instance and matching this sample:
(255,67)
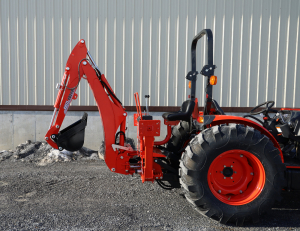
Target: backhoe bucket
(72,137)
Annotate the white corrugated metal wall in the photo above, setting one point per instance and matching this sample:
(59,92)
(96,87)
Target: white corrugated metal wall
(144,46)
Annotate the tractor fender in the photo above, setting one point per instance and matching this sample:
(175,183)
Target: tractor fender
(212,120)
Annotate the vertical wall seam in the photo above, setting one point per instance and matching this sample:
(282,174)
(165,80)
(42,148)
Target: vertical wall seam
(158,60)
(1,70)
(231,58)
(18,59)
(9,55)
(150,53)
(222,58)
(44,51)
(168,61)
(176,57)
(296,58)
(123,55)
(286,55)
(241,58)
(186,48)
(268,53)
(141,59)
(258,59)
(249,59)
(277,56)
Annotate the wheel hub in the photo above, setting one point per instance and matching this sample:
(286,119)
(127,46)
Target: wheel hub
(227,172)
(236,177)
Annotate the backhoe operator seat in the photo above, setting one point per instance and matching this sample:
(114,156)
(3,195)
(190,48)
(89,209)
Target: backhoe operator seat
(184,113)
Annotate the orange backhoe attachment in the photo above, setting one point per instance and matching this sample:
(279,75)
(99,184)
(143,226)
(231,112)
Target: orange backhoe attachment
(119,157)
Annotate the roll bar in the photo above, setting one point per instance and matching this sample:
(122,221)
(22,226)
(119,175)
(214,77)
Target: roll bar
(207,70)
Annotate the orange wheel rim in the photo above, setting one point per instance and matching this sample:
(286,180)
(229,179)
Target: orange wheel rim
(236,177)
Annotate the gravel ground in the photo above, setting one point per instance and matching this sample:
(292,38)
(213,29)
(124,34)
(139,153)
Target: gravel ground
(45,190)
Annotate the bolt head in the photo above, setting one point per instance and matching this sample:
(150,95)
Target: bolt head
(251,174)
(122,157)
(241,191)
(241,155)
(82,41)
(113,169)
(53,136)
(124,114)
(231,177)
(67,68)
(231,166)
(46,138)
(156,177)
(224,166)
(224,177)
(60,149)
(161,177)
(57,126)
(155,161)
(84,63)
(219,191)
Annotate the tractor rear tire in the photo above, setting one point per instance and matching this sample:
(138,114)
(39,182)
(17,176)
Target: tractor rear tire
(180,134)
(232,173)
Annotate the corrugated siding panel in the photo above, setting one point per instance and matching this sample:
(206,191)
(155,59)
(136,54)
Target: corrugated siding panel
(144,46)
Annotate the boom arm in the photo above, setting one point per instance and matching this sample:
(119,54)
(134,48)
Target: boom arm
(111,110)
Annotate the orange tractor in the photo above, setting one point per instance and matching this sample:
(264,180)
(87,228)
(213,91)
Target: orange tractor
(231,168)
